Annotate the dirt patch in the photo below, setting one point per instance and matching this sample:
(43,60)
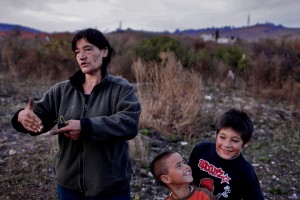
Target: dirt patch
(26,161)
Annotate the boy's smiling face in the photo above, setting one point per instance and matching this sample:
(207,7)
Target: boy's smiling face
(178,171)
(229,143)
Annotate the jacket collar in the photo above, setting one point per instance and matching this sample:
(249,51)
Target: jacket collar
(77,79)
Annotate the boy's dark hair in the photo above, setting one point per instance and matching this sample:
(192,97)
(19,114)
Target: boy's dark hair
(96,38)
(238,121)
(158,165)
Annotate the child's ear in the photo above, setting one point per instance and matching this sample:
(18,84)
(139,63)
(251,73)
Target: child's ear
(165,178)
(247,144)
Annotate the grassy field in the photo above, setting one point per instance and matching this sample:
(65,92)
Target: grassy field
(26,161)
(182,94)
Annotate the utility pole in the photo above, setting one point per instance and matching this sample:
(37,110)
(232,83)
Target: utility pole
(120,25)
(248,20)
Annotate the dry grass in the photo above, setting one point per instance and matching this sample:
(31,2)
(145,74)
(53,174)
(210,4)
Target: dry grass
(173,106)
(138,151)
(170,95)
(27,174)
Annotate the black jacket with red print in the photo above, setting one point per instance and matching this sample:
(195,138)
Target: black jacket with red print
(227,179)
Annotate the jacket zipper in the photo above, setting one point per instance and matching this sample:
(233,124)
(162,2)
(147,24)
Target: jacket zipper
(81,164)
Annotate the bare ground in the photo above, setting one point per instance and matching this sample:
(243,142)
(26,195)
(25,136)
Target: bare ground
(26,161)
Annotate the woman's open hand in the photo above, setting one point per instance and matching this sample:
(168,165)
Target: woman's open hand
(29,119)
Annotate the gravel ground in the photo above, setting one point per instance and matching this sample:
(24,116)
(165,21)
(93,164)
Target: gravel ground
(25,161)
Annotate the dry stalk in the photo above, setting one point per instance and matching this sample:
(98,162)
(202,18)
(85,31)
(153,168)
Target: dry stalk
(170,95)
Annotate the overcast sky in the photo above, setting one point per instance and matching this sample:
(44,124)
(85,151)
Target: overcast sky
(148,15)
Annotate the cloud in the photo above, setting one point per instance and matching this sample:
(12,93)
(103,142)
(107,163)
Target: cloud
(156,15)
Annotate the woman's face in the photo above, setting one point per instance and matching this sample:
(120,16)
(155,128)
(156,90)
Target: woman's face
(229,143)
(89,57)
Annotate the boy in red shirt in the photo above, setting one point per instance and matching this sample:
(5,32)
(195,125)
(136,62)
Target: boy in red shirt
(170,169)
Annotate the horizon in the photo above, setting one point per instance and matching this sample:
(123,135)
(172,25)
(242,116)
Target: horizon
(188,29)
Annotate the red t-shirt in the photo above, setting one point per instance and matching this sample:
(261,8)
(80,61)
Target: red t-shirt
(195,194)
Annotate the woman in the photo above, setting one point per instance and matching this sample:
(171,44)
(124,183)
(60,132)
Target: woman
(101,112)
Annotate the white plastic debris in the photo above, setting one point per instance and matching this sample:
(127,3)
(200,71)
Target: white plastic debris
(275,178)
(208,97)
(12,152)
(183,143)
(273,163)
(294,196)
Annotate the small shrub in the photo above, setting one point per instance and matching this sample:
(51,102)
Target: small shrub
(232,56)
(150,48)
(170,95)
(38,58)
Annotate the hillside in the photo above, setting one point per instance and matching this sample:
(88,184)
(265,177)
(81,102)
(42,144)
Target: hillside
(14,27)
(267,30)
(258,31)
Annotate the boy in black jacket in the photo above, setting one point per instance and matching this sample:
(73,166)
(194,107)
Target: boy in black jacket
(220,166)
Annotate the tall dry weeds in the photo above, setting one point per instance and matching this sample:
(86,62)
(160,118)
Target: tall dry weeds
(169,94)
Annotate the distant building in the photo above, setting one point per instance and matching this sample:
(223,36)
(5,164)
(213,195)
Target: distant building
(207,37)
(226,40)
(220,40)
